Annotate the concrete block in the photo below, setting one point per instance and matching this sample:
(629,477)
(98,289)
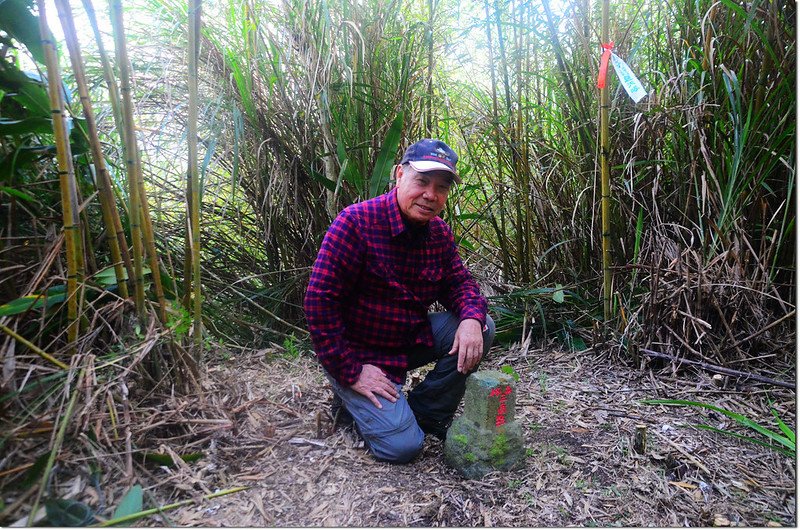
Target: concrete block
(486,437)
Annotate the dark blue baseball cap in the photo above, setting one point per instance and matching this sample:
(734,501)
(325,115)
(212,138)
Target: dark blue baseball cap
(431,155)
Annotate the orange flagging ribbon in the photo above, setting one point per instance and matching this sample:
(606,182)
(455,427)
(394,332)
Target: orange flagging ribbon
(601,75)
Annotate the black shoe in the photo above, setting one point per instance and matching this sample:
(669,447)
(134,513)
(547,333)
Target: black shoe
(435,428)
(340,415)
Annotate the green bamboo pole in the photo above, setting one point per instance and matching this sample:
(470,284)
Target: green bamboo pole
(134,160)
(429,122)
(605,197)
(108,71)
(501,230)
(66,174)
(107,203)
(139,210)
(520,163)
(114,99)
(503,64)
(149,239)
(129,138)
(195,7)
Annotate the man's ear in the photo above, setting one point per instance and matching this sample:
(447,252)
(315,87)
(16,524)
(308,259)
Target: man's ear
(397,173)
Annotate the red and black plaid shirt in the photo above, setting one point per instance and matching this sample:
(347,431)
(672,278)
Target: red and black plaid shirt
(372,284)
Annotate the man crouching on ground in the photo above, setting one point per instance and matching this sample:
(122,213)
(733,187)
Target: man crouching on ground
(382,263)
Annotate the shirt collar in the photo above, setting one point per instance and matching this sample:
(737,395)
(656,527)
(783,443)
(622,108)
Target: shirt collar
(398,225)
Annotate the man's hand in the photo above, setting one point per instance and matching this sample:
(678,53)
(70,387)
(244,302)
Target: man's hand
(468,343)
(372,382)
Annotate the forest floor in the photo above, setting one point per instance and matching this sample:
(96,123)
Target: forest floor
(579,413)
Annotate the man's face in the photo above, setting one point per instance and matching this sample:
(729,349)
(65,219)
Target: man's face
(422,196)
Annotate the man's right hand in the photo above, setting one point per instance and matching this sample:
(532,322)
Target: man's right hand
(373,382)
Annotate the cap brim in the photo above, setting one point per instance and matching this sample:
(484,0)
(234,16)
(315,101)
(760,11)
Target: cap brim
(424,166)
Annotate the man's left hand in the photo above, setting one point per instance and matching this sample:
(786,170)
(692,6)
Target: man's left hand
(468,343)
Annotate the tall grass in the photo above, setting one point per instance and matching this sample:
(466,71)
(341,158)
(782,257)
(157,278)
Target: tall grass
(307,104)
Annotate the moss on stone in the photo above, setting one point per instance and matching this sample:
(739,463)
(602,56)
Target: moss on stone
(469,457)
(499,449)
(461,438)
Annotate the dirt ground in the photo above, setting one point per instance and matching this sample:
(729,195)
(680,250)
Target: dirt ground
(579,413)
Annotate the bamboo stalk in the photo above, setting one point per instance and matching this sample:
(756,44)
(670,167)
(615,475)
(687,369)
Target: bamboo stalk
(605,184)
(520,164)
(432,4)
(107,203)
(38,351)
(108,71)
(501,230)
(133,162)
(149,239)
(195,7)
(129,139)
(114,99)
(66,175)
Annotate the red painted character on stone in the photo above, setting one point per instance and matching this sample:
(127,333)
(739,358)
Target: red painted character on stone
(501,410)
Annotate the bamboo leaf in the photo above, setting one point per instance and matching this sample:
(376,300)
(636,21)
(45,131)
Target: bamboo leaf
(16,193)
(35,472)
(27,89)
(558,294)
(131,503)
(349,171)
(18,22)
(784,428)
(380,174)
(739,418)
(166,460)
(54,295)
(108,276)
(26,126)
(463,242)
(319,177)
(747,439)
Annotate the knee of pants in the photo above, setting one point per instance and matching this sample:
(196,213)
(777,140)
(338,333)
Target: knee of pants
(488,335)
(397,448)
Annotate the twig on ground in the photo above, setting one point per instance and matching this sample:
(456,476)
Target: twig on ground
(720,369)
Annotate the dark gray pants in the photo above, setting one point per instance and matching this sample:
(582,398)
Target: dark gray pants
(392,433)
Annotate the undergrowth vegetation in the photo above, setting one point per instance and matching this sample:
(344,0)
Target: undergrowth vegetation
(303,107)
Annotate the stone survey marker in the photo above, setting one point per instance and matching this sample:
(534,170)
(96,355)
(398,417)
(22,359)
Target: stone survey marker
(486,437)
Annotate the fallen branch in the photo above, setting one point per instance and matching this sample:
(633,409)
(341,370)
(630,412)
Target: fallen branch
(719,369)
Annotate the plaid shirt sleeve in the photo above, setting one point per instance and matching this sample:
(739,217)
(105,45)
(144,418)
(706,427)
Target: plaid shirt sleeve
(460,292)
(333,277)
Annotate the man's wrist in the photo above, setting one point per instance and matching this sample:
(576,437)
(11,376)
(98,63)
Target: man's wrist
(481,323)
(353,374)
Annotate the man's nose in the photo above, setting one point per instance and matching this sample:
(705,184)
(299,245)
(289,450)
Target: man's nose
(429,194)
